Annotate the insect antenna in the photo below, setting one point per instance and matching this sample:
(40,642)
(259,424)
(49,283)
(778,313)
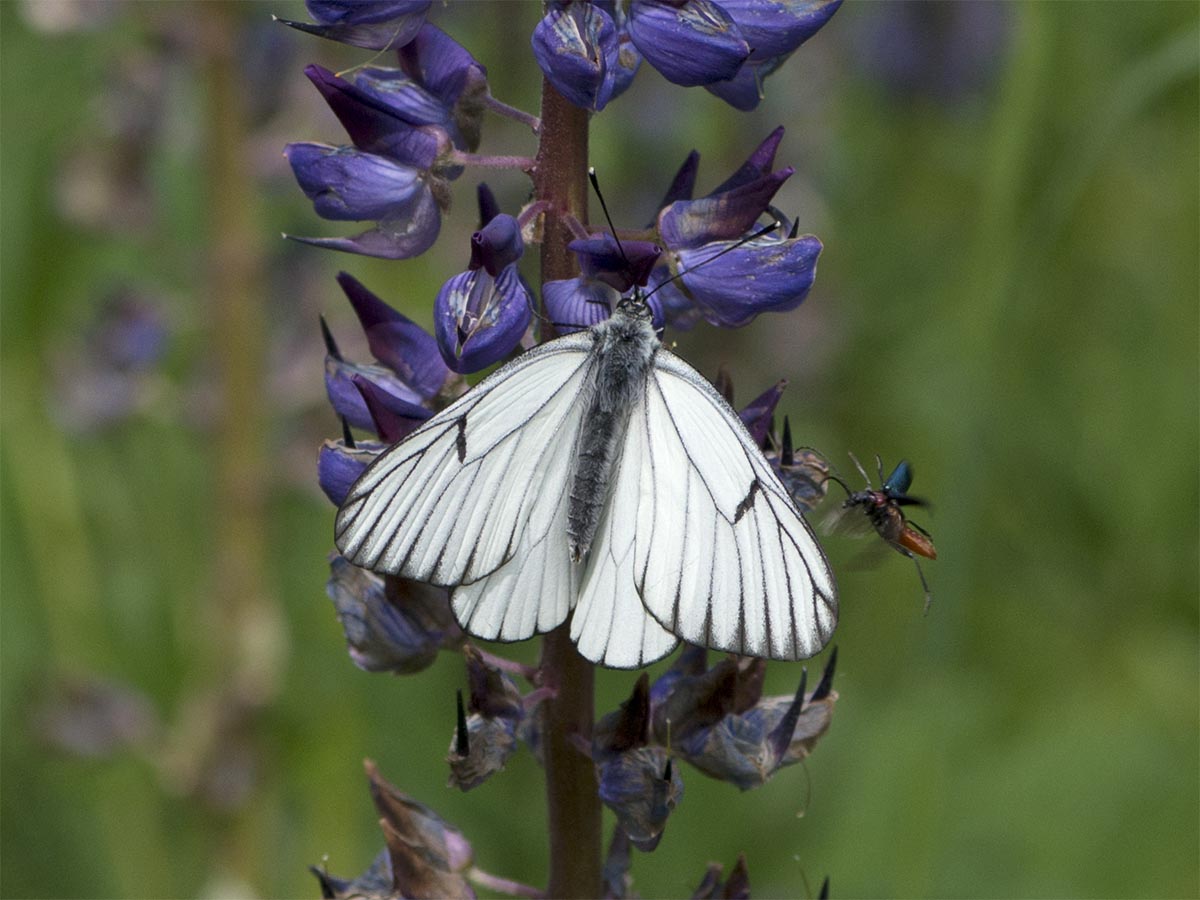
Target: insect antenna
(607,218)
(863,471)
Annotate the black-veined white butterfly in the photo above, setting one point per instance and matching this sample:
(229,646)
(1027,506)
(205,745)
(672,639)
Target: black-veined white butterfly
(598,473)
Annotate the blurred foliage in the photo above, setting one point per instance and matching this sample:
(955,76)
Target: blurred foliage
(1008,297)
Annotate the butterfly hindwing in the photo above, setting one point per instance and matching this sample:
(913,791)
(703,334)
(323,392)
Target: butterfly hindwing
(611,625)
(722,557)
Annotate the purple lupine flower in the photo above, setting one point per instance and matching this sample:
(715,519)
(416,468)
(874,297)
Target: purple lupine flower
(346,184)
(391,624)
(727,279)
(370,24)
(396,341)
(638,781)
(394,419)
(692,42)
(382,125)
(774,30)
(767,274)
(480,315)
(445,69)
(607,273)
(746,747)
(411,375)
(414,198)
(583,52)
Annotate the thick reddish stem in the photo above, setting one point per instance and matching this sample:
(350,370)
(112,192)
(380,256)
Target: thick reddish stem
(571,791)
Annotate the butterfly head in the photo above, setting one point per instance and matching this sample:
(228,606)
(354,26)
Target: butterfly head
(634,305)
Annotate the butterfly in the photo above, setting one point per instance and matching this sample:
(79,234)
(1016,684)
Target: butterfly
(598,475)
(884,510)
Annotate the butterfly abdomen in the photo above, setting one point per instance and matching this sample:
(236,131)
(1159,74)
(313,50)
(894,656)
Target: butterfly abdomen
(625,347)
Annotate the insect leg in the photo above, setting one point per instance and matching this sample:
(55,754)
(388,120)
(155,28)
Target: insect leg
(924,584)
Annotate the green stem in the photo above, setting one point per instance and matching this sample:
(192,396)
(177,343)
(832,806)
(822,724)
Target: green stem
(571,790)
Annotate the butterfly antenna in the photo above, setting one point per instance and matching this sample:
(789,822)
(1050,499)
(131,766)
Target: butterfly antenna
(604,206)
(879,468)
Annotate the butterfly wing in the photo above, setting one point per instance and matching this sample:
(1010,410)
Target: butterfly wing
(611,625)
(476,498)
(720,555)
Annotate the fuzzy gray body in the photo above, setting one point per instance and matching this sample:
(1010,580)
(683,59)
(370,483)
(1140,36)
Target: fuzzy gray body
(625,348)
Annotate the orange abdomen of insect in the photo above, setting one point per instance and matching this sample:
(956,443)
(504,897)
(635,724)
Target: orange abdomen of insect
(915,542)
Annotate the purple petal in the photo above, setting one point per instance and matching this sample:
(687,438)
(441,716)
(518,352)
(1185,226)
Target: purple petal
(687,224)
(622,265)
(479,320)
(339,466)
(346,399)
(374,126)
(364,12)
(399,239)
(497,245)
(396,341)
(775,28)
(347,184)
(576,46)
(761,276)
(744,90)
(489,208)
(378,36)
(690,43)
(577,303)
(442,65)
(671,306)
(395,91)
(684,182)
(394,419)
(757,415)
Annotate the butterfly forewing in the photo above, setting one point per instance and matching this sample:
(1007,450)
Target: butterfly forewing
(452,502)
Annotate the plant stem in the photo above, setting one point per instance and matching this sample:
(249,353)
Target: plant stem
(571,790)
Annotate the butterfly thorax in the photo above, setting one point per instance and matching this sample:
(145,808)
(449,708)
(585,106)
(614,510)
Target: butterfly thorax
(624,350)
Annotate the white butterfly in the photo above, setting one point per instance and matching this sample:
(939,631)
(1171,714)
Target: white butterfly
(602,474)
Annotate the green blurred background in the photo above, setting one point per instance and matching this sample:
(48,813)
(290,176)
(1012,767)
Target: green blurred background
(1008,296)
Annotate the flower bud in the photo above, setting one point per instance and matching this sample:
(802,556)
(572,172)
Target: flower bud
(481,314)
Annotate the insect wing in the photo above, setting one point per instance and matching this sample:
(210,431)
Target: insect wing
(476,498)
(720,556)
(611,625)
